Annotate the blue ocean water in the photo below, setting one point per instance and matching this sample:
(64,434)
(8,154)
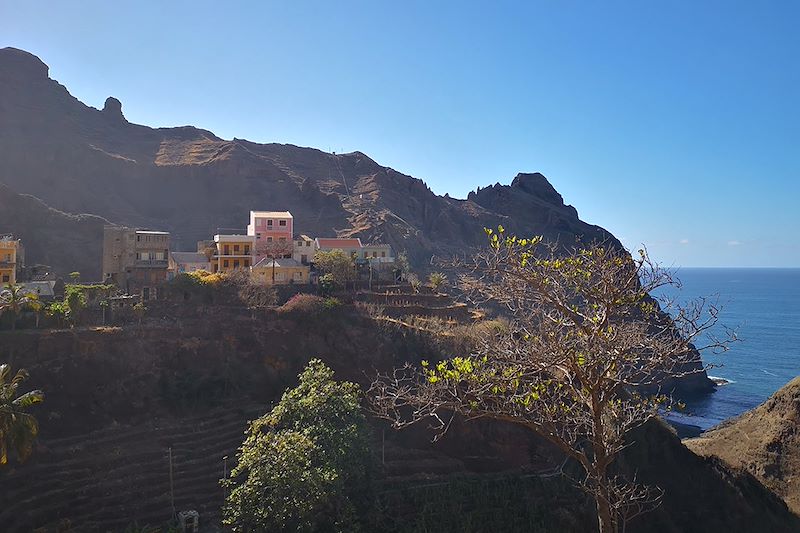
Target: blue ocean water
(764,305)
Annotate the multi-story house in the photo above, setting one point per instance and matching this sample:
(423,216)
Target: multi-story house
(303,249)
(135,260)
(351,247)
(9,249)
(273,231)
(233,252)
(377,253)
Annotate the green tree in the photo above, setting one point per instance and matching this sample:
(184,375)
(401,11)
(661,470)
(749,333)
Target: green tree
(59,310)
(75,276)
(14,300)
(18,429)
(436,280)
(76,301)
(338,264)
(581,362)
(305,465)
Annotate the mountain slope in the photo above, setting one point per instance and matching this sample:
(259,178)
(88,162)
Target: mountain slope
(191,182)
(52,237)
(764,441)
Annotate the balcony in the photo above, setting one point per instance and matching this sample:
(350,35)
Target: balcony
(150,263)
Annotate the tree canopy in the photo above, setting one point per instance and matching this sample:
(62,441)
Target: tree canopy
(305,465)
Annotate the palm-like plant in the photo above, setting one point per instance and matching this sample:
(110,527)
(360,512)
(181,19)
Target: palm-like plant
(13,300)
(436,280)
(18,429)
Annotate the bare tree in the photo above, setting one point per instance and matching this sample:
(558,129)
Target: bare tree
(580,363)
(274,250)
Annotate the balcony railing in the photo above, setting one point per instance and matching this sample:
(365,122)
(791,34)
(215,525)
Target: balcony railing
(152,263)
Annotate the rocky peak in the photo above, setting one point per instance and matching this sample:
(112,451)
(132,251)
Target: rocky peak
(16,63)
(537,185)
(113,109)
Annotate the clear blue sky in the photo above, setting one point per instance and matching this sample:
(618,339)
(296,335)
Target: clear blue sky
(674,124)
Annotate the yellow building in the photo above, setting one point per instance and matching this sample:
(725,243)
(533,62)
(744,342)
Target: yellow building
(8,260)
(282,271)
(234,252)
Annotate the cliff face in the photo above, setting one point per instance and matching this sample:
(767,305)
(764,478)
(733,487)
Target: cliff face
(764,441)
(187,180)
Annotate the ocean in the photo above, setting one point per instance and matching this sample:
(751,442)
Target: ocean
(764,305)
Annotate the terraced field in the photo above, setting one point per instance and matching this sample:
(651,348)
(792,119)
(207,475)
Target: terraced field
(110,479)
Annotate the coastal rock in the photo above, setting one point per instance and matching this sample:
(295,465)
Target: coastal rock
(764,441)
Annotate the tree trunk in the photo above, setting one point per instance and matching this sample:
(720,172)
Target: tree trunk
(605,522)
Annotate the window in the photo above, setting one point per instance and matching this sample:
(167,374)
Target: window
(225,263)
(269,239)
(145,293)
(282,223)
(304,259)
(235,263)
(374,254)
(227,249)
(6,278)
(298,275)
(308,243)
(282,239)
(269,223)
(258,235)
(246,249)
(383,254)
(138,238)
(235,248)
(159,256)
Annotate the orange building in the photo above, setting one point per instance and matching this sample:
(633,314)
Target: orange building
(8,260)
(234,252)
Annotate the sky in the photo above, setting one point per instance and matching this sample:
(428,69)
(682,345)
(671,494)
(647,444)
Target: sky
(672,124)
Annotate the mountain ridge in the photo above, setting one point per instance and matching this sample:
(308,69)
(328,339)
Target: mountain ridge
(187,180)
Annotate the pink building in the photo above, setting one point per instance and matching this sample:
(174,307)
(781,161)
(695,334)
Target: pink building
(273,230)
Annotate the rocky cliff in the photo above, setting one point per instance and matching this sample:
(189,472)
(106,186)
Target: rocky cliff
(79,159)
(764,441)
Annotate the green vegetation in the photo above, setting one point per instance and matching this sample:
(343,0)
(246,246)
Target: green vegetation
(585,344)
(436,280)
(18,429)
(59,311)
(14,300)
(338,265)
(75,276)
(304,466)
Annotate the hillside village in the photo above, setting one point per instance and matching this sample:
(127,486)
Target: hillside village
(138,262)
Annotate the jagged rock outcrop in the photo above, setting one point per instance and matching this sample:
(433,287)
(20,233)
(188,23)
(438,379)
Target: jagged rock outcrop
(764,441)
(189,181)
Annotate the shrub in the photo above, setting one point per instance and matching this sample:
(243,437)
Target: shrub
(304,304)
(331,303)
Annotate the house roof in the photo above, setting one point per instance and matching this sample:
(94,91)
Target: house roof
(149,232)
(339,243)
(42,288)
(189,257)
(270,214)
(279,263)
(302,237)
